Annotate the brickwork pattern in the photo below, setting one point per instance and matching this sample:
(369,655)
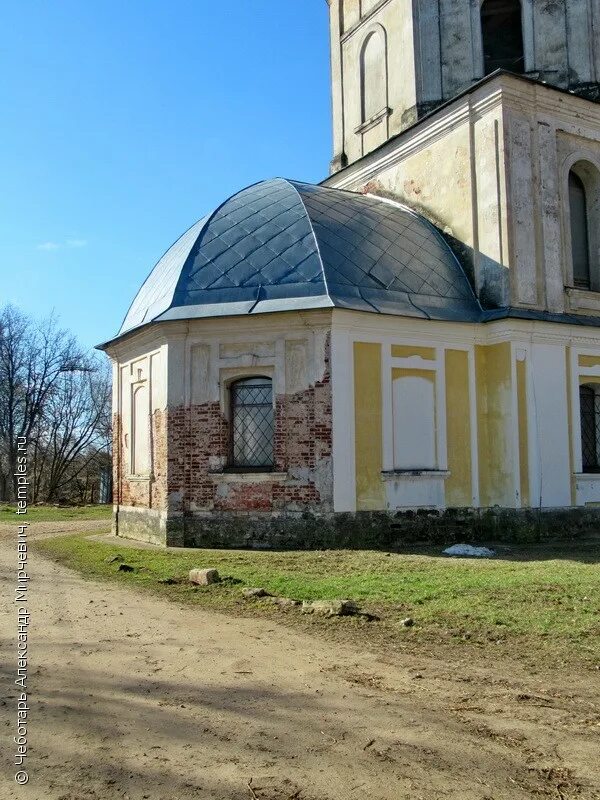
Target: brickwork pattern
(199,446)
(191,444)
(145,493)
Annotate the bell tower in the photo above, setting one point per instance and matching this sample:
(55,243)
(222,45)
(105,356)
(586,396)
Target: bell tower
(393,61)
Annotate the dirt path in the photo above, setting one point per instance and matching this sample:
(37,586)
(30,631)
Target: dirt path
(134,697)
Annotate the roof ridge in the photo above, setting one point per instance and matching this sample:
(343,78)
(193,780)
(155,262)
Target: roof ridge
(316,241)
(209,219)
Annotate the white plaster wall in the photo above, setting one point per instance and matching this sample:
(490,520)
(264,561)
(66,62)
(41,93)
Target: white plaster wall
(587,488)
(414,423)
(392,22)
(403,492)
(139,380)
(524,209)
(550,459)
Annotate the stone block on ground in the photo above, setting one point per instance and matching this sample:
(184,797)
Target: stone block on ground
(204,577)
(330,608)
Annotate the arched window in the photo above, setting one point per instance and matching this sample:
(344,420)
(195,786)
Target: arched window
(589,406)
(373,75)
(580,240)
(502,35)
(252,423)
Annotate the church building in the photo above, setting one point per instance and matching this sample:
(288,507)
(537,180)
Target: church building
(414,342)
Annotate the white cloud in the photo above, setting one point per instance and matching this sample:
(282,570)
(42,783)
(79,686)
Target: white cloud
(70,243)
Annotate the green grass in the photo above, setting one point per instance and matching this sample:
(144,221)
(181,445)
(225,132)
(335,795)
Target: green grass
(55,513)
(539,598)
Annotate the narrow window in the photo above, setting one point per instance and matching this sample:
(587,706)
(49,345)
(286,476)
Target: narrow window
(252,423)
(580,240)
(502,35)
(589,403)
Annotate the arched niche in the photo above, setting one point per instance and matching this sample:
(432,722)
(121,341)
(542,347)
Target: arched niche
(140,431)
(373,74)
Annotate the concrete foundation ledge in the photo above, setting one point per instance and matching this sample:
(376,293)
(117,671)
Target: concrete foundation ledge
(364,530)
(141,524)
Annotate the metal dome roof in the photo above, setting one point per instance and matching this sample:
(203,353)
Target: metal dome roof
(282,245)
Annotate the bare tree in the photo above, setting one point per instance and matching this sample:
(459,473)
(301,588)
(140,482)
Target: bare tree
(36,362)
(73,432)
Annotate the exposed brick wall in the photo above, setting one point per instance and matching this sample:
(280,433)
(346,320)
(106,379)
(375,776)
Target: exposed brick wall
(116,461)
(150,493)
(190,444)
(197,435)
(199,444)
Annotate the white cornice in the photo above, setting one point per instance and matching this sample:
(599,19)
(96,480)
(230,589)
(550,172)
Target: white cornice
(151,339)
(437,332)
(419,137)
(510,93)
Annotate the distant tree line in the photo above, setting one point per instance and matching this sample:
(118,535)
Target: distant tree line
(58,397)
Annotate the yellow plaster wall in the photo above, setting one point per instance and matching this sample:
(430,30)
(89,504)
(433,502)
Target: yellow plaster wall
(407,351)
(585,379)
(368,416)
(408,372)
(589,361)
(459,490)
(493,380)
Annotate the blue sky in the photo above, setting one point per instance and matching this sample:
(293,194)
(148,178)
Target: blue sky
(123,123)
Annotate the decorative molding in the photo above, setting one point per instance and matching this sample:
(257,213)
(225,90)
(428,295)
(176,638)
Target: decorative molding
(411,474)
(551,106)
(374,120)
(231,476)
(583,299)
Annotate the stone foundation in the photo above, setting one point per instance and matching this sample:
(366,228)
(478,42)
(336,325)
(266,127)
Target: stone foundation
(142,524)
(367,530)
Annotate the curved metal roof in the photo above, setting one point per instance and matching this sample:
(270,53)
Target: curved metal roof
(282,245)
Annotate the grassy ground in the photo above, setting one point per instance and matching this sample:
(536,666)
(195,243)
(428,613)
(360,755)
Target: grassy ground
(56,513)
(538,601)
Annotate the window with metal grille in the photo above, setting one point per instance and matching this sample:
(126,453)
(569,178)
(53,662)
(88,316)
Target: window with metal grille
(502,35)
(252,423)
(589,404)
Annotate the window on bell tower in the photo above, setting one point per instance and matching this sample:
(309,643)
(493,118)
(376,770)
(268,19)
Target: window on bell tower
(502,35)
(580,240)
(583,195)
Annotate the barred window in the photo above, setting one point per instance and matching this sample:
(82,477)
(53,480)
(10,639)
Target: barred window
(589,403)
(252,423)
